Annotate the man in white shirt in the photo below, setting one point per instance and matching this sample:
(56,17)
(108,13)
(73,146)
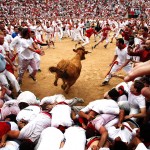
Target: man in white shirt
(120,61)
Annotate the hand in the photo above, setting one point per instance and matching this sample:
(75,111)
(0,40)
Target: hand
(138,71)
(128,116)
(40,52)
(94,147)
(110,64)
(90,117)
(84,126)
(120,125)
(2,144)
(14,68)
(119,69)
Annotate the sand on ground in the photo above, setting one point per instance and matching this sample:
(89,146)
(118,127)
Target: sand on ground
(87,86)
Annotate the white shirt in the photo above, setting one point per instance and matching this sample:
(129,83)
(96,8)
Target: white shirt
(134,100)
(61,115)
(50,138)
(122,55)
(75,138)
(52,99)
(16,43)
(34,128)
(103,106)
(2,51)
(28,113)
(27,97)
(25,52)
(8,38)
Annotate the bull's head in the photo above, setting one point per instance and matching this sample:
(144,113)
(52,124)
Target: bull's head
(81,51)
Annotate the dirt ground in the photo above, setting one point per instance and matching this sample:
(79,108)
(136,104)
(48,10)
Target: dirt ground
(94,69)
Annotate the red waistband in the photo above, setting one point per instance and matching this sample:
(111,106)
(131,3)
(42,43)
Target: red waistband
(47,113)
(90,142)
(127,128)
(62,103)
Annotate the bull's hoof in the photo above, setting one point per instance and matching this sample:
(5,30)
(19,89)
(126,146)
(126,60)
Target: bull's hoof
(63,86)
(67,92)
(55,84)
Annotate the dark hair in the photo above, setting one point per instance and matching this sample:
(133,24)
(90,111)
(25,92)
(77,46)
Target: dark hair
(145,29)
(23,105)
(15,27)
(145,80)
(138,85)
(32,32)
(26,145)
(114,94)
(120,40)
(44,106)
(12,117)
(144,132)
(25,32)
(90,132)
(119,145)
(20,29)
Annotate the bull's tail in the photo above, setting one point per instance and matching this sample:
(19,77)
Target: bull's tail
(60,73)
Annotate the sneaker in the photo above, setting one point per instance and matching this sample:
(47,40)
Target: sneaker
(104,83)
(19,81)
(19,92)
(80,100)
(33,78)
(93,47)
(105,46)
(76,46)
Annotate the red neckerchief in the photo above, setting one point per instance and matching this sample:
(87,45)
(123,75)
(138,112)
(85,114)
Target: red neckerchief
(62,103)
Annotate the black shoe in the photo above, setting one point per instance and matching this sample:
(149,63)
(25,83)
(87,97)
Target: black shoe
(39,70)
(105,46)
(20,82)
(76,46)
(111,42)
(104,83)
(19,92)
(33,78)
(93,47)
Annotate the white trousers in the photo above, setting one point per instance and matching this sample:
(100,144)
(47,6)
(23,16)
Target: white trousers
(3,79)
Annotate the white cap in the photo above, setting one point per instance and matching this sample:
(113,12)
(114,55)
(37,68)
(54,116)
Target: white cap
(27,97)
(53,99)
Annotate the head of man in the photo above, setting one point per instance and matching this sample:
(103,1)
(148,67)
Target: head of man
(136,87)
(25,33)
(2,25)
(16,29)
(1,39)
(120,43)
(145,31)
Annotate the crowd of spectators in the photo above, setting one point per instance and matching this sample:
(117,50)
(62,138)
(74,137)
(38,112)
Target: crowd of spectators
(71,8)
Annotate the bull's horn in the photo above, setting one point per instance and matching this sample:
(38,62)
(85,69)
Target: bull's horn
(87,52)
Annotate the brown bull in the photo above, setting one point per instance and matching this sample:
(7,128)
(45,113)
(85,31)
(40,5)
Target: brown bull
(69,70)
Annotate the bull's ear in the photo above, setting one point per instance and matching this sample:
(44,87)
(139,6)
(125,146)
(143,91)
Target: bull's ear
(74,50)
